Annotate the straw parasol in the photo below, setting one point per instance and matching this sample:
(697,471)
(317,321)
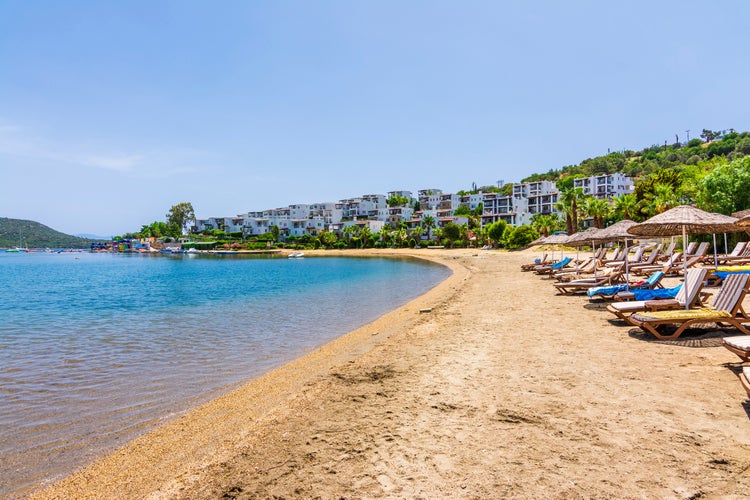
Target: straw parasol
(619,232)
(744,220)
(685,219)
(583,238)
(556,239)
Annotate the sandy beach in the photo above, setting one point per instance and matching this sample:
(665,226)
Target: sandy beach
(491,385)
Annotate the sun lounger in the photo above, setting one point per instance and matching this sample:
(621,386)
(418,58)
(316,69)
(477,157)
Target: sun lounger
(726,309)
(609,292)
(650,294)
(742,258)
(588,266)
(736,254)
(695,279)
(738,345)
(548,269)
(666,254)
(608,276)
(669,268)
(617,256)
(538,262)
(745,379)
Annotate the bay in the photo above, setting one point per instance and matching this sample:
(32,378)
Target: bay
(96,349)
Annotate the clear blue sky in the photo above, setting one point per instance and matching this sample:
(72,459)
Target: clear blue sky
(111,112)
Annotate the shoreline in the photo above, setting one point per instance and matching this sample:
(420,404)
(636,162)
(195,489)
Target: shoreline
(503,389)
(141,465)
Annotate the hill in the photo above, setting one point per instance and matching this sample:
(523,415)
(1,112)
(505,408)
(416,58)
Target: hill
(35,235)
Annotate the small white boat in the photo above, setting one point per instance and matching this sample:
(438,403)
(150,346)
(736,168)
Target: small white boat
(296,255)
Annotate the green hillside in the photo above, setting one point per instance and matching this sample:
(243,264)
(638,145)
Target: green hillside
(35,235)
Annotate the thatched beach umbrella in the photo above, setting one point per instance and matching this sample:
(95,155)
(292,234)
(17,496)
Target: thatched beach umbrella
(685,219)
(583,238)
(619,232)
(556,239)
(744,220)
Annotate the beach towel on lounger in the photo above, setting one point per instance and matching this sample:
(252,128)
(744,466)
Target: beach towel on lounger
(659,293)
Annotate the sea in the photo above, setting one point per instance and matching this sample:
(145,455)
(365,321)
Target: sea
(97,348)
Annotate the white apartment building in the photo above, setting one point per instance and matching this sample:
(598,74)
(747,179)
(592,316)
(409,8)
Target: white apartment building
(526,200)
(429,199)
(366,206)
(497,207)
(605,186)
(472,200)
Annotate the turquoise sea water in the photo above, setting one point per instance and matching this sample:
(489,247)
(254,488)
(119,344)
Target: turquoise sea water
(95,349)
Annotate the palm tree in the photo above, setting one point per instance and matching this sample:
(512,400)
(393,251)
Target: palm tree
(597,209)
(545,224)
(661,199)
(626,206)
(428,222)
(401,236)
(567,203)
(365,234)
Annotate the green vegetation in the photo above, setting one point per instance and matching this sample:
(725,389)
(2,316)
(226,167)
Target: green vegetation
(35,235)
(712,172)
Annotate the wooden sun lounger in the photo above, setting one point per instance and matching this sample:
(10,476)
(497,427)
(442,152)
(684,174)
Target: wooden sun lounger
(745,379)
(669,268)
(738,345)
(653,282)
(695,280)
(668,252)
(609,276)
(725,310)
(530,267)
(549,269)
(743,258)
(586,267)
(736,254)
(650,261)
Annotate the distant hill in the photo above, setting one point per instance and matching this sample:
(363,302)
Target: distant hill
(35,235)
(89,236)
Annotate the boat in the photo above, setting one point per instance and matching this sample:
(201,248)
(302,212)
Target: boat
(296,255)
(19,248)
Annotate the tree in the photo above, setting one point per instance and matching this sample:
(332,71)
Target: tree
(495,231)
(463,210)
(546,224)
(452,231)
(275,232)
(520,236)
(180,215)
(396,200)
(709,135)
(726,188)
(597,209)
(567,203)
(626,206)
(662,198)
(428,222)
(328,239)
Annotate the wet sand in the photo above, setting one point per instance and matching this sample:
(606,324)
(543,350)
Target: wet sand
(490,385)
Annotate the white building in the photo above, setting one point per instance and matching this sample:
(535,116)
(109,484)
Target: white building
(605,186)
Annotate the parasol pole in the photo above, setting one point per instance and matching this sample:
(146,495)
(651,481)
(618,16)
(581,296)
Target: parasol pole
(716,257)
(726,248)
(627,268)
(593,256)
(684,264)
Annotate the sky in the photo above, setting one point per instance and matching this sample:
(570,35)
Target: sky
(112,112)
